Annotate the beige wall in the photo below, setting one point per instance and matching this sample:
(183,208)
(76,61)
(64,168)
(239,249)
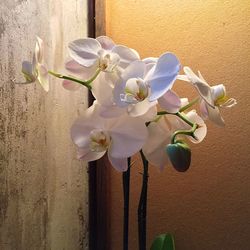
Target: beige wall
(209,206)
(43,188)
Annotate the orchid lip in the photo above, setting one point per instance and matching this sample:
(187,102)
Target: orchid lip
(99,140)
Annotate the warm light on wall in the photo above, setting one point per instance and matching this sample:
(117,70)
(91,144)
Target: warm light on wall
(207,207)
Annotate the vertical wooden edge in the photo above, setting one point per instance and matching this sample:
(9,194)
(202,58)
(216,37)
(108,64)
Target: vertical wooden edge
(99,171)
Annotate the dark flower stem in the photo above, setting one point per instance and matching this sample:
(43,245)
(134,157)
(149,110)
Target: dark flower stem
(126,189)
(142,208)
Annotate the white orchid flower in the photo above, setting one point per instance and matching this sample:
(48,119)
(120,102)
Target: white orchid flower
(37,70)
(213,98)
(143,83)
(90,55)
(120,137)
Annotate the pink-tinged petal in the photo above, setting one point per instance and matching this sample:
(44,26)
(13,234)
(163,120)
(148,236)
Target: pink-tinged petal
(126,54)
(154,148)
(82,127)
(215,116)
(128,135)
(140,108)
(85,51)
(69,85)
(120,164)
(106,42)
(86,155)
(39,50)
(82,72)
(43,76)
(199,133)
(72,66)
(162,78)
(135,69)
(170,102)
(203,109)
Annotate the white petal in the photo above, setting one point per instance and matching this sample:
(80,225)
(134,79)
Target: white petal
(202,87)
(182,78)
(82,127)
(128,135)
(43,76)
(154,148)
(70,85)
(203,109)
(118,91)
(170,102)
(150,60)
(84,51)
(86,155)
(192,76)
(184,102)
(167,64)
(140,108)
(84,73)
(106,42)
(201,132)
(39,50)
(126,54)
(160,86)
(150,115)
(102,90)
(214,116)
(120,164)
(163,76)
(135,69)
(111,111)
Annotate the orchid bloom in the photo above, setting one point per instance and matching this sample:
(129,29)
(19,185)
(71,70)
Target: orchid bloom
(37,70)
(161,131)
(142,83)
(120,137)
(213,97)
(90,55)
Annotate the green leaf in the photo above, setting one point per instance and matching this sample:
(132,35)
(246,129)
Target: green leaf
(163,242)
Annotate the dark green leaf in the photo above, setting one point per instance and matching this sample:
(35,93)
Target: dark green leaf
(163,242)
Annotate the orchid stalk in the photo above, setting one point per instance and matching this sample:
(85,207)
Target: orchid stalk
(142,206)
(126,191)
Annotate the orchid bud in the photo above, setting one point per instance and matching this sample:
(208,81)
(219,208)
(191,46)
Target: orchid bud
(179,154)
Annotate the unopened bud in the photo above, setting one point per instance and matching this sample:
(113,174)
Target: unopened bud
(179,154)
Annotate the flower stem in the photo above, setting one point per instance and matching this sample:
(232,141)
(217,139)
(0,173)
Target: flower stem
(86,83)
(190,104)
(126,189)
(184,118)
(142,207)
(184,132)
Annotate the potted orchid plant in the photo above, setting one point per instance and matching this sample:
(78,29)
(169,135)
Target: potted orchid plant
(135,110)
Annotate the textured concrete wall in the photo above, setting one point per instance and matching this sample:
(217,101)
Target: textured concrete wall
(43,188)
(209,206)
